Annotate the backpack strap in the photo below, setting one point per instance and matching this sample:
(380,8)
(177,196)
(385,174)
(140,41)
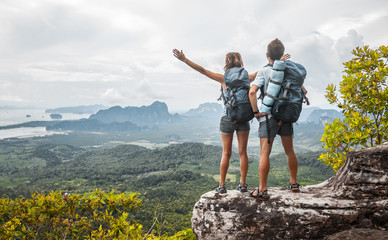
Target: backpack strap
(243,87)
(221,95)
(232,101)
(277,83)
(305,99)
(228,102)
(262,93)
(267,105)
(273,97)
(284,97)
(268,129)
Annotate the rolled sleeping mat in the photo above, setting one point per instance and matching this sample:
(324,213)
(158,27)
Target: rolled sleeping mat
(277,75)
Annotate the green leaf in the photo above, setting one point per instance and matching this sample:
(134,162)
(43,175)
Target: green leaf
(364,92)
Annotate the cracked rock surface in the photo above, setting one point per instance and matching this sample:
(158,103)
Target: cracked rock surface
(354,198)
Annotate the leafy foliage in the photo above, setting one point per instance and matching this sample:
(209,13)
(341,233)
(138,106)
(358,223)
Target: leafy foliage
(363,100)
(99,215)
(54,216)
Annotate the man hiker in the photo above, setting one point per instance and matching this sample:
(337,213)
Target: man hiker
(275,50)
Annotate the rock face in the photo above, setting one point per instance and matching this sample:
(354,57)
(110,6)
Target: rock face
(206,110)
(355,197)
(359,234)
(154,114)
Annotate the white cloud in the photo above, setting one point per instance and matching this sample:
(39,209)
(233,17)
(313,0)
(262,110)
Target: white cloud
(112,95)
(119,52)
(346,44)
(336,27)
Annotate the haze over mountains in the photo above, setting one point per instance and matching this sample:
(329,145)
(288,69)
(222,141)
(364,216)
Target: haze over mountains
(78,110)
(157,114)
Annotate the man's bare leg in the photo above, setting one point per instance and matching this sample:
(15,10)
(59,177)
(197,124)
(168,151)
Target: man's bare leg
(291,158)
(264,164)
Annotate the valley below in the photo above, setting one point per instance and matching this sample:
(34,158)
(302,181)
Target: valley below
(169,164)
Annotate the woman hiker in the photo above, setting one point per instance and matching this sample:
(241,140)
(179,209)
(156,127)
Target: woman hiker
(227,127)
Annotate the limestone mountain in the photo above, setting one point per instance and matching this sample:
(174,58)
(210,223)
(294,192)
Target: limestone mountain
(154,114)
(207,110)
(322,116)
(317,115)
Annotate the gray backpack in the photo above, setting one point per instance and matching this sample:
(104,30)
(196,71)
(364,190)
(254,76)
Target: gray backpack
(236,96)
(288,104)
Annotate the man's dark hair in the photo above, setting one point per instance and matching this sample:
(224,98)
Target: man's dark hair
(275,49)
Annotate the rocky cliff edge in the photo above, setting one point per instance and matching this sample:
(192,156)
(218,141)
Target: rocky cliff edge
(352,203)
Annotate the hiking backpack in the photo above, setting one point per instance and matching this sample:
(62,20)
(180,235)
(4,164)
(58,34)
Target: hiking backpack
(236,95)
(286,105)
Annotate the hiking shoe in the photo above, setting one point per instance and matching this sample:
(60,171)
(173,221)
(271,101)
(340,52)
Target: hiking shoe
(294,187)
(242,187)
(221,189)
(262,196)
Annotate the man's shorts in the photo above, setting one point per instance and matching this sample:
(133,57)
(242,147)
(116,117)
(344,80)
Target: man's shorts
(227,126)
(286,129)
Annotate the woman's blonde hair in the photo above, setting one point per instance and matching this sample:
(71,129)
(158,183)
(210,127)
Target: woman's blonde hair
(233,59)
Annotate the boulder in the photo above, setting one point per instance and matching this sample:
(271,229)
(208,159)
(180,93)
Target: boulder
(359,234)
(354,198)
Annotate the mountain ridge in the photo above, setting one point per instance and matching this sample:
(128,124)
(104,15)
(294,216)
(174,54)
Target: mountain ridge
(154,114)
(208,109)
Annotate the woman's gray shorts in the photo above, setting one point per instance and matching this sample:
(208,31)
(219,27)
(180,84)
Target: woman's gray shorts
(227,126)
(286,129)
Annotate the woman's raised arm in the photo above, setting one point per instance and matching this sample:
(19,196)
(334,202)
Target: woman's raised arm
(215,76)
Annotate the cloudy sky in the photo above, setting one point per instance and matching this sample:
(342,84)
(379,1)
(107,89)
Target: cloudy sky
(57,53)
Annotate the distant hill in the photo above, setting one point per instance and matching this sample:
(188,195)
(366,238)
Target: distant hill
(207,110)
(323,116)
(55,116)
(155,114)
(78,110)
(304,115)
(118,119)
(313,114)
